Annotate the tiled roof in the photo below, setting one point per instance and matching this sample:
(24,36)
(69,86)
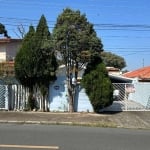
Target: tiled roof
(142,73)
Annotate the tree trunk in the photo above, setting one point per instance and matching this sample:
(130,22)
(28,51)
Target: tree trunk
(71,100)
(43,103)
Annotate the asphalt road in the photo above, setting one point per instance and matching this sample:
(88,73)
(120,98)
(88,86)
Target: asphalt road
(13,137)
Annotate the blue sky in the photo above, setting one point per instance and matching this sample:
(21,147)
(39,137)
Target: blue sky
(122,25)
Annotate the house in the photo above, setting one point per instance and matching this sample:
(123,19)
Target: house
(129,94)
(142,74)
(9,48)
(142,86)
(59,94)
(131,90)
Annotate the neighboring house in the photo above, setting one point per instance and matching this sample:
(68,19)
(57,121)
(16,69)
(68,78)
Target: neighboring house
(142,86)
(142,74)
(9,48)
(131,90)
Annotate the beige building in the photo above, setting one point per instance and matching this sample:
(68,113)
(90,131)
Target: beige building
(9,48)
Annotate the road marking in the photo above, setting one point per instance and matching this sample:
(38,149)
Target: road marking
(30,146)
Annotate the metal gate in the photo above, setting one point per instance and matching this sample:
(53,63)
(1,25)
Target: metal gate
(131,97)
(3,97)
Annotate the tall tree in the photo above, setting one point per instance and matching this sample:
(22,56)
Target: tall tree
(24,64)
(45,60)
(97,84)
(113,60)
(76,40)
(35,63)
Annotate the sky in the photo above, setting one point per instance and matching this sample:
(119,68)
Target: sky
(122,25)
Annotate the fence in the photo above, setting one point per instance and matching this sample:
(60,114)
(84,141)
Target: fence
(15,97)
(127,97)
(130,97)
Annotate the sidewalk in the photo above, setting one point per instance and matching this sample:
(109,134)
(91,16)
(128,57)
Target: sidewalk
(138,120)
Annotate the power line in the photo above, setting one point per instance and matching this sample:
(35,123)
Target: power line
(124,27)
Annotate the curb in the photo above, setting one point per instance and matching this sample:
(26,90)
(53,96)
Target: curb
(86,124)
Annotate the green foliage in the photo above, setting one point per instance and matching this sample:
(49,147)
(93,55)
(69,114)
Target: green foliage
(97,84)
(3,30)
(113,60)
(35,63)
(24,62)
(74,33)
(45,60)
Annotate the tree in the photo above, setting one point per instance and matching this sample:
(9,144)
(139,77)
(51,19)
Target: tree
(113,60)
(75,39)
(3,30)
(97,84)
(45,59)
(35,63)
(24,64)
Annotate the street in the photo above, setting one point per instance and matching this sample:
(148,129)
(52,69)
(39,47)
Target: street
(26,136)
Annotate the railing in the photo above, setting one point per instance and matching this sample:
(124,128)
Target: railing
(3,97)
(129,97)
(13,97)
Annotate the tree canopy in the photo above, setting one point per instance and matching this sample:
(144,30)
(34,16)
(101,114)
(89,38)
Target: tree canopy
(73,32)
(24,62)
(44,57)
(113,60)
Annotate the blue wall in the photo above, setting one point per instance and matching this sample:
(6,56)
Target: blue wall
(59,100)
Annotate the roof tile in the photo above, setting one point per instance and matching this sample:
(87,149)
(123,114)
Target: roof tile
(142,73)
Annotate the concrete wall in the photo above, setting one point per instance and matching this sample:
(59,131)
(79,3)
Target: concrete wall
(141,94)
(59,97)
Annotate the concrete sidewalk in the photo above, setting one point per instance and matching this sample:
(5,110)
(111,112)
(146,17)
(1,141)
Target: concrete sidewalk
(137,119)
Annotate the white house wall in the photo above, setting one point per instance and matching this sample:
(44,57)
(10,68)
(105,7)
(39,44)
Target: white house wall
(142,93)
(84,104)
(58,95)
